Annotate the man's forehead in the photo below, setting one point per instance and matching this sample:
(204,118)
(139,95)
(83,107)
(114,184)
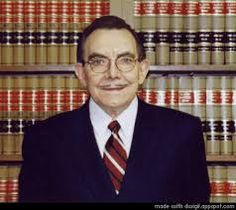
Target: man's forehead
(115,41)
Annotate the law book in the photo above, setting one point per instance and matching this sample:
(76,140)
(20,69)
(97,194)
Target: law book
(234,113)
(205,31)
(199,105)
(63,13)
(230,29)
(226,145)
(8,34)
(12,189)
(219,184)
(18,27)
(149,93)
(30,26)
(190,34)
(163,26)
(186,96)
(161,85)
(137,15)
(3,183)
(174,92)
(52,35)
(148,29)
(41,37)
(231,183)
(218,29)
(176,32)
(213,114)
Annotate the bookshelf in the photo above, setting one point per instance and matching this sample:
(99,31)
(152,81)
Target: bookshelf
(210,158)
(170,69)
(150,19)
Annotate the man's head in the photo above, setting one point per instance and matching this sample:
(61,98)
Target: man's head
(111,63)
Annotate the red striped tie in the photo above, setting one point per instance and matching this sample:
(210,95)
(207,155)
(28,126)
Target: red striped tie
(115,156)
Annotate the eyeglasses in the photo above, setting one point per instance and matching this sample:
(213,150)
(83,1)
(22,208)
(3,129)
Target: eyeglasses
(102,64)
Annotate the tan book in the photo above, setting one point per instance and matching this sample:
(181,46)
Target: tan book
(149,89)
(3,183)
(186,97)
(219,184)
(205,29)
(213,114)
(231,183)
(41,38)
(234,113)
(226,116)
(174,92)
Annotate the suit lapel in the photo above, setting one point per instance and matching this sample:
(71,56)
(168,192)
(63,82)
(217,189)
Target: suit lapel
(94,172)
(141,145)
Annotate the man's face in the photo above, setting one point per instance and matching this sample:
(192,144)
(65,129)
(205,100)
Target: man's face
(113,90)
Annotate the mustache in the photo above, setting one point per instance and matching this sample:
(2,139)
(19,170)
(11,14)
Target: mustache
(111,86)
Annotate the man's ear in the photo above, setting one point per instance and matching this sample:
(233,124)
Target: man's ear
(80,73)
(143,70)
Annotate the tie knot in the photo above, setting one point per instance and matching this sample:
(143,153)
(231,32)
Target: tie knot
(114,126)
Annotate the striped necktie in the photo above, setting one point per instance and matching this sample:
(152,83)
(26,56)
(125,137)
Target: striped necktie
(115,156)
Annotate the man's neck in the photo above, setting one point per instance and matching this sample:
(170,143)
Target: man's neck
(116,111)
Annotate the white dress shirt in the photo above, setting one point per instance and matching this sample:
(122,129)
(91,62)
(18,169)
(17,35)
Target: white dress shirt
(100,120)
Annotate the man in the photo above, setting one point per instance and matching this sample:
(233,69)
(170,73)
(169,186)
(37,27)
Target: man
(115,148)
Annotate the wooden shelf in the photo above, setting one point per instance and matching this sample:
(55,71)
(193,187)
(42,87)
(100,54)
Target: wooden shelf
(210,158)
(40,69)
(168,69)
(221,158)
(10,158)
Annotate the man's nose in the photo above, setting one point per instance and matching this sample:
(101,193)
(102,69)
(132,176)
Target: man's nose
(113,71)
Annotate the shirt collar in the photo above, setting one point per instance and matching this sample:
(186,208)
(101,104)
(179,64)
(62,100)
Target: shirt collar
(100,120)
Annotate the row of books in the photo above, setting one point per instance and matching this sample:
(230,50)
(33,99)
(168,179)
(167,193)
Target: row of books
(14,13)
(59,47)
(9,182)
(223,183)
(44,31)
(29,48)
(179,14)
(177,48)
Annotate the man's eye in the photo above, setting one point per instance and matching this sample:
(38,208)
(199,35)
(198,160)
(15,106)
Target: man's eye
(126,60)
(97,62)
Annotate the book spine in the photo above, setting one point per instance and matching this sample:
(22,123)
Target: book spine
(231,183)
(52,32)
(148,29)
(18,20)
(218,29)
(234,113)
(8,34)
(213,114)
(161,88)
(219,184)
(137,15)
(12,183)
(226,144)
(199,106)
(174,92)
(230,29)
(149,89)
(163,11)
(186,97)
(205,32)
(30,20)
(3,183)
(41,38)
(176,29)
(191,12)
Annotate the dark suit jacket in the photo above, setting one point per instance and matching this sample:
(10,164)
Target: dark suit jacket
(167,162)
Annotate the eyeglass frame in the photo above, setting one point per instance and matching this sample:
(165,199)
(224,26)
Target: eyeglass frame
(109,63)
